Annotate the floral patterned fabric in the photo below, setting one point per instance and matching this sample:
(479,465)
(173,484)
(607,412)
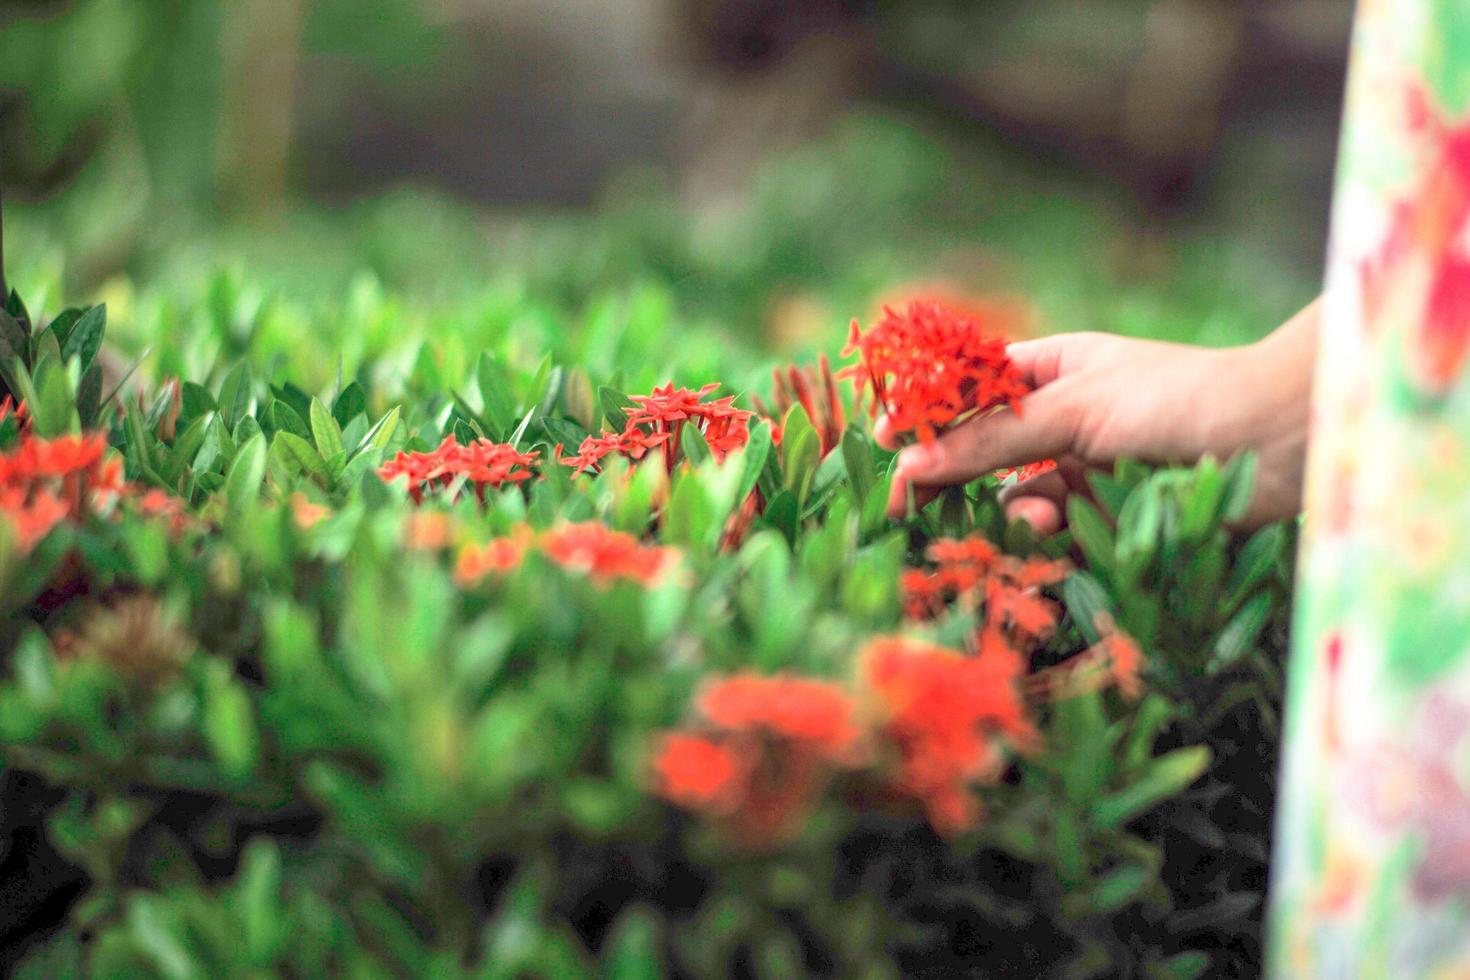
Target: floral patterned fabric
(1372,864)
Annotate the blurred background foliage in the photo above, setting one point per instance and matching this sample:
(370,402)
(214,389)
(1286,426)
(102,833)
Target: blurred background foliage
(1149,166)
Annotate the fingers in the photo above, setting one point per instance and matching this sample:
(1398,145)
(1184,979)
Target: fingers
(1044,516)
(1040,360)
(884,434)
(1047,429)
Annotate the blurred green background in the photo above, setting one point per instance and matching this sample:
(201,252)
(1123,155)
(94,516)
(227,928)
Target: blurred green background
(767,168)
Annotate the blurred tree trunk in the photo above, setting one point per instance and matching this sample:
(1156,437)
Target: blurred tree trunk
(261,49)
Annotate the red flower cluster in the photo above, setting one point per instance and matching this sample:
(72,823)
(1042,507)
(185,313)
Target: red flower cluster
(816,392)
(598,551)
(658,419)
(607,555)
(768,748)
(973,570)
(494,557)
(765,747)
(46,481)
(931,366)
(482,463)
(632,442)
(946,714)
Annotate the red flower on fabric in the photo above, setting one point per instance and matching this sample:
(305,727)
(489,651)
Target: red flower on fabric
(947,715)
(931,366)
(1421,273)
(482,463)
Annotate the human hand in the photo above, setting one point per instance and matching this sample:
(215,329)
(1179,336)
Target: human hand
(1099,398)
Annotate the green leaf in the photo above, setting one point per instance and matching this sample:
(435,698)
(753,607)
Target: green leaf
(1240,486)
(1203,504)
(495,393)
(85,339)
(1111,493)
(1080,726)
(53,413)
(541,383)
(1166,776)
(616,407)
(377,438)
(753,460)
(1092,535)
(563,431)
(781,514)
(186,446)
(857,457)
(140,443)
(800,453)
(351,403)
(284,418)
(325,431)
(1257,559)
(89,396)
(14,335)
(1239,635)
(692,445)
(1118,888)
(229,721)
(1085,600)
(305,456)
(633,948)
(235,395)
(246,472)
(195,400)
(1138,528)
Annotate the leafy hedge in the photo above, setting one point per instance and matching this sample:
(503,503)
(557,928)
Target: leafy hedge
(261,713)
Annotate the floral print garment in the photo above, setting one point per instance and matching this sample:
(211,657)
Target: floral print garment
(1372,864)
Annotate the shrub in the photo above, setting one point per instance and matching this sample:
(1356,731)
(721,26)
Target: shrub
(322,685)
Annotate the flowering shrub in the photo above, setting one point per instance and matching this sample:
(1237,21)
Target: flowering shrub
(362,682)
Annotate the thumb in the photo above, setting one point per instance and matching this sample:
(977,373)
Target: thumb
(1046,427)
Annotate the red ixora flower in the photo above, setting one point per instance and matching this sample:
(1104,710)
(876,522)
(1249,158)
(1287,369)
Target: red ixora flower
(482,463)
(818,714)
(44,482)
(606,555)
(946,715)
(495,557)
(931,366)
(973,570)
(658,419)
(699,772)
(769,747)
(632,442)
